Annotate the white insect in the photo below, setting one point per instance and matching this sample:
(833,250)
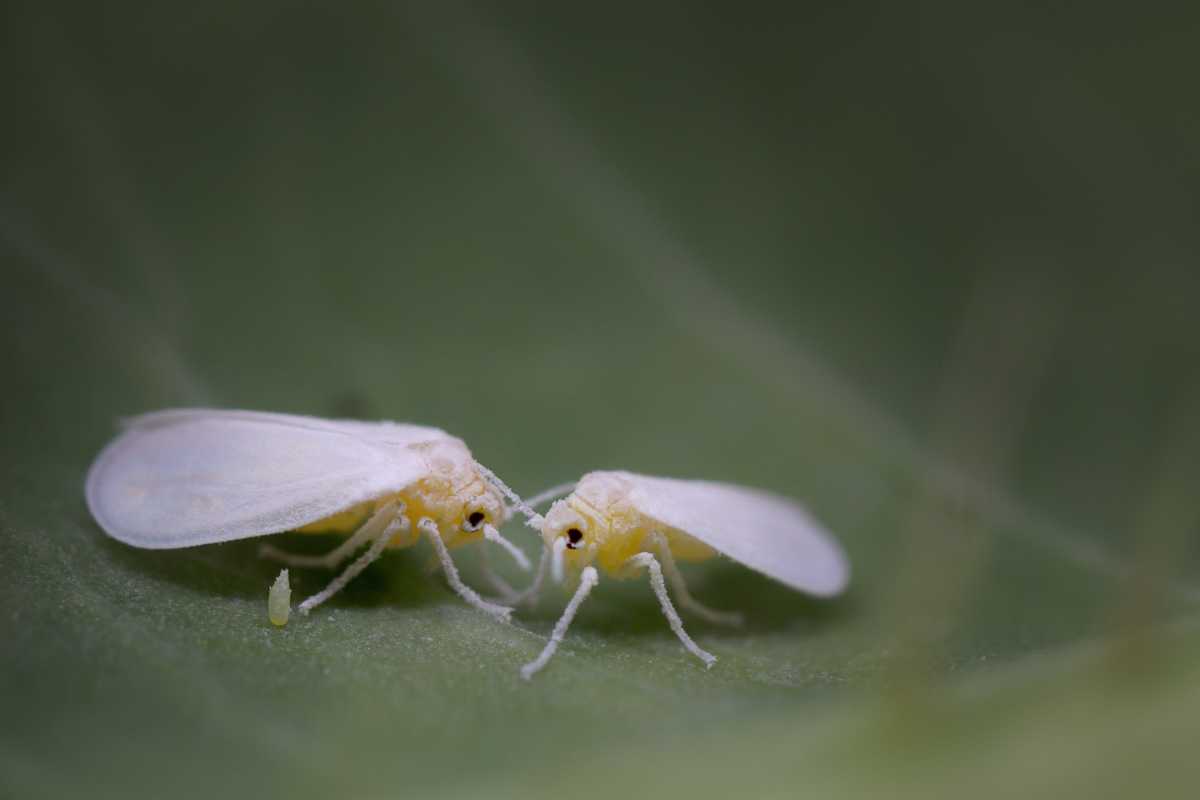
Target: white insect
(626,524)
(186,477)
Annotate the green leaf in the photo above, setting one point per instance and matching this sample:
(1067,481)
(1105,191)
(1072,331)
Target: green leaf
(944,296)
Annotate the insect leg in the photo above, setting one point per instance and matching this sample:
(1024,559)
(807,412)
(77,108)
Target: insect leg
(492,535)
(587,580)
(430,528)
(683,596)
(507,593)
(533,519)
(397,524)
(530,594)
(343,551)
(648,561)
(527,595)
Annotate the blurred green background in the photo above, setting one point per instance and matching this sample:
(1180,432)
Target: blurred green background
(931,269)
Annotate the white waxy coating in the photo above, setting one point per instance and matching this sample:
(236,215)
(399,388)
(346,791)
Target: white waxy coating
(766,532)
(197,476)
(621,520)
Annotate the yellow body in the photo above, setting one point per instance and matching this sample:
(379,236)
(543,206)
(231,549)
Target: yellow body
(612,530)
(452,491)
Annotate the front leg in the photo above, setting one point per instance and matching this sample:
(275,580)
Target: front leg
(648,561)
(430,528)
(529,594)
(492,535)
(507,594)
(588,579)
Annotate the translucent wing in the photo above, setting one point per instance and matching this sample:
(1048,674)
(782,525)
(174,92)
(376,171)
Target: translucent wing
(195,476)
(766,532)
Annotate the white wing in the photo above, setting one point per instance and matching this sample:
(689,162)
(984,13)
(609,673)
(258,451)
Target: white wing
(195,476)
(388,432)
(766,532)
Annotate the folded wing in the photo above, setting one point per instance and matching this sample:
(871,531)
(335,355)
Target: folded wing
(764,531)
(388,432)
(194,476)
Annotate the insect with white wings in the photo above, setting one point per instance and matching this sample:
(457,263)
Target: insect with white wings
(186,477)
(626,523)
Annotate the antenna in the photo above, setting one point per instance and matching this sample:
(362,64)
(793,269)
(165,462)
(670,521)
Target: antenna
(533,519)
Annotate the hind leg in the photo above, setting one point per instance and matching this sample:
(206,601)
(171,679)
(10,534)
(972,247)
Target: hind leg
(397,524)
(684,597)
(343,551)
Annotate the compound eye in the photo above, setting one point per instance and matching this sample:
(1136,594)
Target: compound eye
(574,537)
(476,519)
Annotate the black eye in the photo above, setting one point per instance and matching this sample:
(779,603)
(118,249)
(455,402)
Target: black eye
(475,518)
(574,535)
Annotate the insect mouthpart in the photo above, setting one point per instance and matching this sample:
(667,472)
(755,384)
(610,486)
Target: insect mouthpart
(474,521)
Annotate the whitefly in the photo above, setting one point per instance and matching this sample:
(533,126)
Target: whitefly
(625,525)
(188,477)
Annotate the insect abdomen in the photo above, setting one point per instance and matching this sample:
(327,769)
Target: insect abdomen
(343,521)
(687,548)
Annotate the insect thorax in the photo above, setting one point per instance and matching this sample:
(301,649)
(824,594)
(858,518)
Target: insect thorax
(615,529)
(618,530)
(451,489)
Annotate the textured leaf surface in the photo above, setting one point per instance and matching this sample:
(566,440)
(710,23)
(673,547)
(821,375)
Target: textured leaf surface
(876,261)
